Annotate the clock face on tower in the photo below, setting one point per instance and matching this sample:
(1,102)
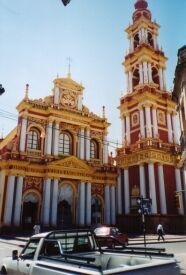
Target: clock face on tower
(68,100)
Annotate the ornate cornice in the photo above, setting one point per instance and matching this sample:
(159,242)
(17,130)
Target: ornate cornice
(146,156)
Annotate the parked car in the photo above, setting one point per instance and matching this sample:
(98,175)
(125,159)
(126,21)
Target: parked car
(110,236)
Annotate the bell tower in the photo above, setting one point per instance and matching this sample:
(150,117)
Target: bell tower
(147,160)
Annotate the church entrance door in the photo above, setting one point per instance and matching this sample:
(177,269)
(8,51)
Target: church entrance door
(30,211)
(64,215)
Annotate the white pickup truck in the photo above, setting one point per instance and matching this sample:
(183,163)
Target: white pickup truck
(76,252)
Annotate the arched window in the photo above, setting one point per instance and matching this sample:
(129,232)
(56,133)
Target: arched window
(34,139)
(150,39)
(136,40)
(65,144)
(94,149)
(155,75)
(136,77)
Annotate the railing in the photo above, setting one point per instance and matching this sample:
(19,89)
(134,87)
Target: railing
(33,153)
(149,143)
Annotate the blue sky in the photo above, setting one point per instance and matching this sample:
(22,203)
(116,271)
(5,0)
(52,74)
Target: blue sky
(37,37)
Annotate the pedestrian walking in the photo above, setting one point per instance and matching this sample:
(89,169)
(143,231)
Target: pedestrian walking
(160,232)
(36,229)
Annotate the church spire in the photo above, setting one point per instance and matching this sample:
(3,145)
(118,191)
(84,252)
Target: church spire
(141,10)
(141,4)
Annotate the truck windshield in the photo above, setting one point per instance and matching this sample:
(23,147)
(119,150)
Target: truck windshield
(29,251)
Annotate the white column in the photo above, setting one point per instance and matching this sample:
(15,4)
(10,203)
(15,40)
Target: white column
(176,129)
(87,141)
(54,203)
(56,95)
(126,191)
(48,139)
(9,200)
(148,121)
(128,128)
(119,193)
(82,144)
(80,99)
(161,78)
(163,205)
(140,36)
(141,73)
(152,187)
(56,139)
(123,128)
(107,204)
(150,72)
(143,34)
(145,72)
(23,135)
(88,203)
(113,205)
(132,44)
(169,126)
(142,123)
(155,123)
(105,150)
(130,82)
(18,201)
(127,81)
(142,181)
(164,80)
(184,185)
(155,41)
(46,204)
(82,204)
(179,188)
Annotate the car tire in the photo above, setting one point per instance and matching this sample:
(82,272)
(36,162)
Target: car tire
(3,271)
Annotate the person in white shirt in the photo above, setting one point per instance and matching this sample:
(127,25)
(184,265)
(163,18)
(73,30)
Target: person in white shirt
(160,232)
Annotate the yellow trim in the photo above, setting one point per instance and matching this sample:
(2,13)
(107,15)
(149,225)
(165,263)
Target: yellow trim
(8,138)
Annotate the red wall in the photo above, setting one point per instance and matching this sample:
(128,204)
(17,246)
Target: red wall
(170,187)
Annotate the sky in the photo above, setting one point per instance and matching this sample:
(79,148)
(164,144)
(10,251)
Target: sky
(38,36)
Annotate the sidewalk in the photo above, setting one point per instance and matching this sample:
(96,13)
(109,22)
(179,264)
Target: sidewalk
(133,240)
(153,239)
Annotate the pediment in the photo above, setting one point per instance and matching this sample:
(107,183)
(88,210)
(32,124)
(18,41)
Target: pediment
(70,162)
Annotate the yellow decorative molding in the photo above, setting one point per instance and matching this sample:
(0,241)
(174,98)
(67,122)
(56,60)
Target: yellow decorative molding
(146,156)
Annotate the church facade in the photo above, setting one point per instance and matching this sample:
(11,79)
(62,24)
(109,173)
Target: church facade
(148,161)
(54,166)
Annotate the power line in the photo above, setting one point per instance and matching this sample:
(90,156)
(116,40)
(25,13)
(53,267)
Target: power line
(14,117)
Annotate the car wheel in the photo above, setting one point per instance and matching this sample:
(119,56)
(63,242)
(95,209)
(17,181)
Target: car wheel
(3,271)
(126,243)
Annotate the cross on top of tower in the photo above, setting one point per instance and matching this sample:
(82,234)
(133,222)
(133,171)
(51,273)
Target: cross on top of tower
(69,67)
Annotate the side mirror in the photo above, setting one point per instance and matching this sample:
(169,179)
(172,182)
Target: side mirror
(14,254)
